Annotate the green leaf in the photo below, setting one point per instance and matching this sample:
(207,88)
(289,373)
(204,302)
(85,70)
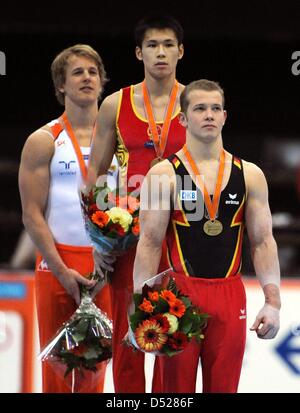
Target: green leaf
(162,306)
(137,299)
(186,301)
(137,318)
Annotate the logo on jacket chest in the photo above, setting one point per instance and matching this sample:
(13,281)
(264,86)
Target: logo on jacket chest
(232,199)
(67,167)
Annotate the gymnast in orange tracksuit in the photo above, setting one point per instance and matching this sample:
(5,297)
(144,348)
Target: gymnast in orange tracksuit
(140,124)
(52,169)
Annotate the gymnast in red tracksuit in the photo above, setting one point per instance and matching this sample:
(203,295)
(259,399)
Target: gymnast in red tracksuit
(211,196)
(140,124)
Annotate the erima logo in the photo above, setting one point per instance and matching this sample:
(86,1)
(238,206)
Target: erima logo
(232,200)
(243,314)
(188,195)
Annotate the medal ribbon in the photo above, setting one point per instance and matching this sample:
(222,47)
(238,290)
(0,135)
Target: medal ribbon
(75,144)
(211,205)
(160,141)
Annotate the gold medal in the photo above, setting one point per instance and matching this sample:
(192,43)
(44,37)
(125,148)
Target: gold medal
(213,228)
(155,161)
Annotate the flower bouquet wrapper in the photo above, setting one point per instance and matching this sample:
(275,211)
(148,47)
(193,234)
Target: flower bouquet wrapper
(162,321)
(82,347)
(111,220)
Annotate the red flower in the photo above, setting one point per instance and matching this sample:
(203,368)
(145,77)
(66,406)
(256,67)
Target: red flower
(93,208)
(162,321)
(178,341)
(177,308)
(117,228)
(79,350)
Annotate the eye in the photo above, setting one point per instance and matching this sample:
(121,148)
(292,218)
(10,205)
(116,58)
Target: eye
(93,72)
(77,72)
(199,108)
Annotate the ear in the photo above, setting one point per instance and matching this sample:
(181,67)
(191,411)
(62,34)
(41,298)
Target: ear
(138,53)
(225,116)
(182,119)
(180,51)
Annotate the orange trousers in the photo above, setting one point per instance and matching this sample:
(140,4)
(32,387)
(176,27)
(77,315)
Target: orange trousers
(55,306)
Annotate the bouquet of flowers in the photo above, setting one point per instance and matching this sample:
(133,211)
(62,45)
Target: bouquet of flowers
(111,218)
(81,345)
(163,320)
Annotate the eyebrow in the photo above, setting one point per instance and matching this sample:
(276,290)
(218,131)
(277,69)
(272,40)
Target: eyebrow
(156,41)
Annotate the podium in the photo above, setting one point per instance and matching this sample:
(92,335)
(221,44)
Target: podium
(17,332)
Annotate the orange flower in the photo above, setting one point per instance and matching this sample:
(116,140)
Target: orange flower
(168,296)
(149,336)
(153,295)
(136,229)
(100,218)
(146,306)
(177,308)
(133,204)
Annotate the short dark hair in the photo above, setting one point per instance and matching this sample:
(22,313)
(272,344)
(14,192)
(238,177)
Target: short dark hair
(157,21)
(202,84)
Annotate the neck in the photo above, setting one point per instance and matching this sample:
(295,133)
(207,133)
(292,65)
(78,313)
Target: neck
(81,116)
(159,87)
(202,151)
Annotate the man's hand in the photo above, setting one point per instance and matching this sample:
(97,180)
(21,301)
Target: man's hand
(267,322)
(103,262)
(70,280)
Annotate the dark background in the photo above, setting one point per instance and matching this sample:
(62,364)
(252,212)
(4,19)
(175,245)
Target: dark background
(247,47)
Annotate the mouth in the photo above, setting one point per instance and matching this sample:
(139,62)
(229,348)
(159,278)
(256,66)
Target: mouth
(209,126)
(86,89)
(161,64)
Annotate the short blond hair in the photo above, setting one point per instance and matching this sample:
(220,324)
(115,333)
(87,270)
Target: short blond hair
(202,84)
(59,65)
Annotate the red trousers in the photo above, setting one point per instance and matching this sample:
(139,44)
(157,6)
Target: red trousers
(55,306)
(222,350)
(128,365)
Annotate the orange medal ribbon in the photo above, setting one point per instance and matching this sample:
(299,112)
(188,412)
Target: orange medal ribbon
(160,141)
(211,205)
(75,144)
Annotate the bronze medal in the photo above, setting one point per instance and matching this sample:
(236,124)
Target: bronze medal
(155,161)
(213,228)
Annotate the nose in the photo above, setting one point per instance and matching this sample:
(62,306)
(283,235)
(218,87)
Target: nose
(209,114)
(86,75)
(161,50)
